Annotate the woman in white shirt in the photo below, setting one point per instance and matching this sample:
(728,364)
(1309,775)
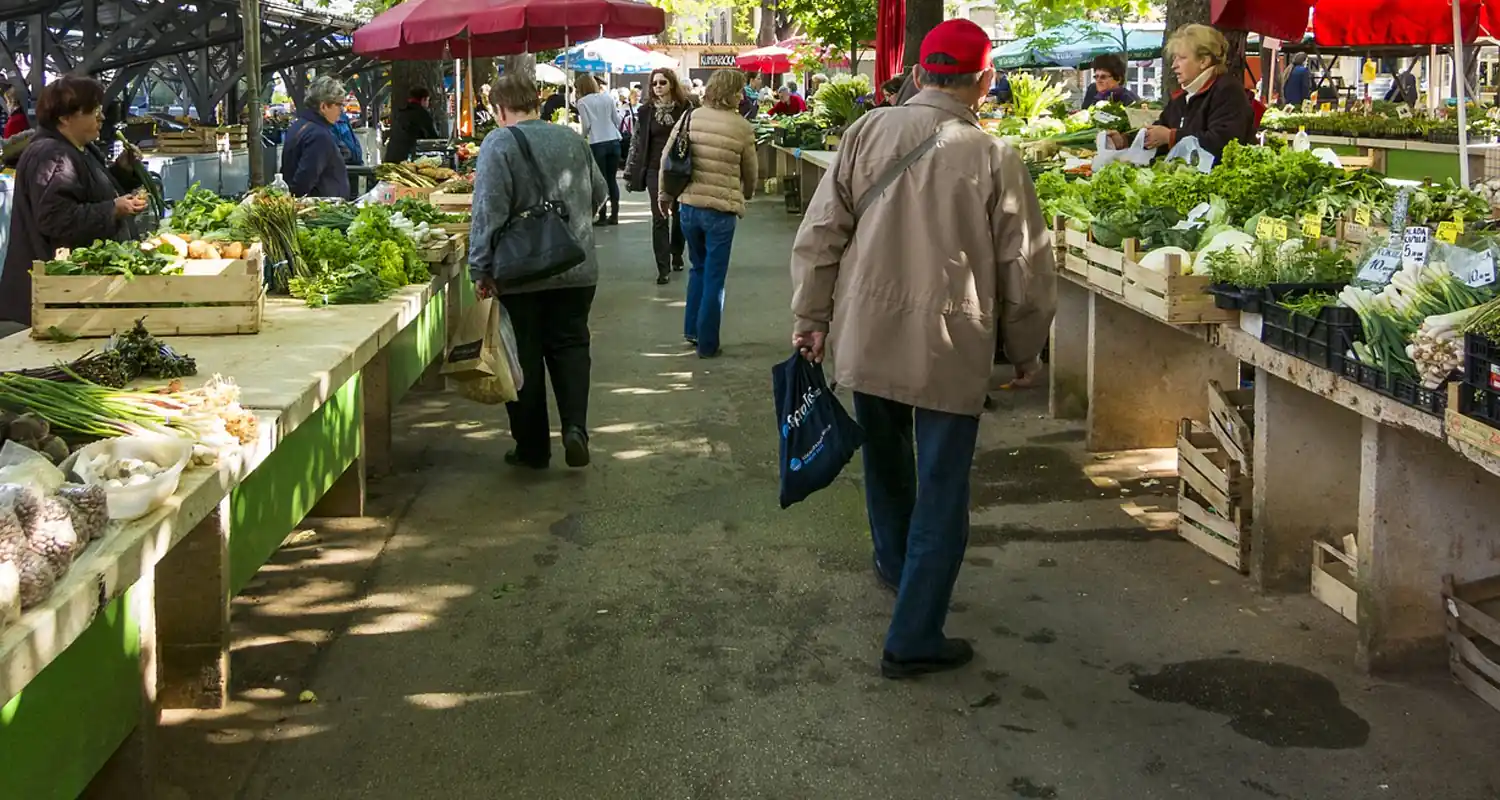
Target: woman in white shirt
(600,119)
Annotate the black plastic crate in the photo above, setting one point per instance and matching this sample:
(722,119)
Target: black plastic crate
(1322,340)
(1481,361)
(1404,390)
(1226,296)
(1480,402)
(1252,300)
(1281,291)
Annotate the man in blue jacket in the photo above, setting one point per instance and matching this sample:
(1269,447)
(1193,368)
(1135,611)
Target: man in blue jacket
(310,157)
(1298,86)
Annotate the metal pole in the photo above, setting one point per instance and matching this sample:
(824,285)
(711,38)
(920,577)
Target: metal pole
(250,16)
(1461,84)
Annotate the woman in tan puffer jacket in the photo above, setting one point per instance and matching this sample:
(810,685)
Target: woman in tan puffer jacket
(723,153)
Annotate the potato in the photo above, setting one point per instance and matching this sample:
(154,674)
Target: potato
(198,249)
(234,250)
(210,251)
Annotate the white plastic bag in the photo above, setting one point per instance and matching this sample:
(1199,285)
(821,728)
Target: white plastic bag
(20,464)
(1137,153)
(1327,156)
(1188,149)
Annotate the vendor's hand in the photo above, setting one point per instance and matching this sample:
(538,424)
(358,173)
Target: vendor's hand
(486,288)
(1158,136)
(664,205)
(130,156)
(129,205)
(1118,141)
(1026,375)
(810,345)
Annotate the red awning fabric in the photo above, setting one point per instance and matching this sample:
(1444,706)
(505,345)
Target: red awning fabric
(540,24)
(890,41)
(771,59)
(1358,23)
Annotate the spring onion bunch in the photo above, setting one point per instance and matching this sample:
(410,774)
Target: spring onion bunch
(1392,317)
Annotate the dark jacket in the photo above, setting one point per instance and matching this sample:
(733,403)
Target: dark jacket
(407,126)
(647,144)
(310,158)
(64,197)
(552,105)
(1215,115)
(1119,94)
(1298,86)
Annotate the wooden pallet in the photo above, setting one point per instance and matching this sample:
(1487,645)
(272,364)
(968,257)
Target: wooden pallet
(1171,296)
(1231,419)
(1473,622)
(1213,497)
(1334,580)
(212,296)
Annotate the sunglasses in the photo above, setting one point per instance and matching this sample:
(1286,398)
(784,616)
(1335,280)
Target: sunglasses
(661,83)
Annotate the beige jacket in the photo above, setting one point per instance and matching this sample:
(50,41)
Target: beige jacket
(953,248)
(724,162)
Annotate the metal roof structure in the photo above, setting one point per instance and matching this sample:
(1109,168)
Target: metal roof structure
(195,47)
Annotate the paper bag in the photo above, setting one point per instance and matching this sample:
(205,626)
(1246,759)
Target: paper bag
(482,356)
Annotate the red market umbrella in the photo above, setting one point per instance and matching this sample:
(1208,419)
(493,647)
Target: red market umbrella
(384,37)
(890,40)
(530,24)
(772,59)
(1282,19)
(1357,23)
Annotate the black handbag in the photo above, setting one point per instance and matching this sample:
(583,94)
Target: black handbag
(677,163)
(536,243)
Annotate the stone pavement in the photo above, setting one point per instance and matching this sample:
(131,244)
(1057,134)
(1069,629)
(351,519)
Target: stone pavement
(655,627)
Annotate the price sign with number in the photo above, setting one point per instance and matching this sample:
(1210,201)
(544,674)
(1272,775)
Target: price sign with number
(1448,231)
(1482,271)
(1271,228)
(1312,226)
(1416,241)
(1362,216)
(1380,267)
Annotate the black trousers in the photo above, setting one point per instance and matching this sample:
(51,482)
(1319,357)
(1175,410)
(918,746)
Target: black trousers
(552,331)
(607,156)
(667,241)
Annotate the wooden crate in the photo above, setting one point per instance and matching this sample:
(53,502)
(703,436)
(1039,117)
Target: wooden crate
(1231,419)
(201,140)
(222,296)
(1333,580)
(1171,296)
(1473,622)
(451,202)
(456,228)
(1355,236)
(1213,497)
(1465,429)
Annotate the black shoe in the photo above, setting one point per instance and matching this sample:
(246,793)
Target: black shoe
(677,264)
(955,653)
(663,279)
(692,340)
(714,354)
(514,459)
(894,587)
(576,447)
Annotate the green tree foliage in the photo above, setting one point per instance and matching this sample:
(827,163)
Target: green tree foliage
(844,26)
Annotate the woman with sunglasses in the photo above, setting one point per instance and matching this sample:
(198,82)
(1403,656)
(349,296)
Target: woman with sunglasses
(654,122)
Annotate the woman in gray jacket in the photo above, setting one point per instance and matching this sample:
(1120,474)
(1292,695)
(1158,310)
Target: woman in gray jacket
(550,316)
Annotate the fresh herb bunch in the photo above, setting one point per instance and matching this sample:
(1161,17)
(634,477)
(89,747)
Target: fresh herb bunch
(419,210)
(108,257)
(837,104)
(271,215)
(200,211)
(1310,304)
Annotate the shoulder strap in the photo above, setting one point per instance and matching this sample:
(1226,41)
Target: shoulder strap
(897,169)
(536,170)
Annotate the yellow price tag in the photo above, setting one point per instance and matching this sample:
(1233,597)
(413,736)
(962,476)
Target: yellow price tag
(1271,228)
(1362,216)
(1326,107)
(1449,231)
(1312,226)
(1280,232)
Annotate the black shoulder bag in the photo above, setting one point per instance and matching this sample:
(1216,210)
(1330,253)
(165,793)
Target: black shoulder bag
(536,243)
(677,163)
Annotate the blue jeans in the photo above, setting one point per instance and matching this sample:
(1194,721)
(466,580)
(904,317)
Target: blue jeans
(917,494)
(709,235)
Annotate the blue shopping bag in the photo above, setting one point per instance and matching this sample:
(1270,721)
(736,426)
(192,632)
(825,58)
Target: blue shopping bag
(818,437)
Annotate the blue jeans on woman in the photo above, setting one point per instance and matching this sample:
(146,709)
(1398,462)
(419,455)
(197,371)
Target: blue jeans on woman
(709,235)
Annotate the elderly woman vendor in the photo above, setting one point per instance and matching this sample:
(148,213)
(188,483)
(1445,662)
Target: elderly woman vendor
(1211,106)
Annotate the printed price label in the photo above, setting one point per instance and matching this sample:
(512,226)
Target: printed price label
(1448,231)
(1415,243)
(1362,216)
(1105,118)
(1271,228)
(1312,226)
(1380,267)
(1481,272)
(1404,112)
(1326,107)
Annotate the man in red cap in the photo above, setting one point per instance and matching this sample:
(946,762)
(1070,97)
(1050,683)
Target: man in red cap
(923,239)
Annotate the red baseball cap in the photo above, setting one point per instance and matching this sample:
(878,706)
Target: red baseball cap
(961,40)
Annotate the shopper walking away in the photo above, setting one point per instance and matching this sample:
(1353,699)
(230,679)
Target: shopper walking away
(1297,87)
(600,119)
(409,124)
(654,122)
(912,312)
(17,120)
(66,194)
(310,157)
(550,316)
(723,149)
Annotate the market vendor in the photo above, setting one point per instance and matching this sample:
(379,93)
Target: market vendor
(310,158)
(1210,106)
(1109,82)
(788,102)
(66,193)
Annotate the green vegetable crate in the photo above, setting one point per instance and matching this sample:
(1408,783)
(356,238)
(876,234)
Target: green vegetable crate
(212,296)
(1170,295)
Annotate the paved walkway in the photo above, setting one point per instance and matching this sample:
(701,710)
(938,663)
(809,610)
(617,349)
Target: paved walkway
(654,627)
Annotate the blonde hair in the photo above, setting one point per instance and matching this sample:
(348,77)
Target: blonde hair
(724,90)
(1203,41)
(585,84)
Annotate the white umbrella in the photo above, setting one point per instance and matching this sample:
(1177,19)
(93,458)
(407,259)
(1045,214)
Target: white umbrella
(611,55)
(546,73)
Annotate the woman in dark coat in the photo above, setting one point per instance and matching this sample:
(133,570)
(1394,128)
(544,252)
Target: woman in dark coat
(1213,107)
(654,121)
(311,161)
(66,194)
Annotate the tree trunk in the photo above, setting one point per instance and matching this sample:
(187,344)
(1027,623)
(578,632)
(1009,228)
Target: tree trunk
(428,74)
(524,64)
(765,34)
(1187,12)
(921,17)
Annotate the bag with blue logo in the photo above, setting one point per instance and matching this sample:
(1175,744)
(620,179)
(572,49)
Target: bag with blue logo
(818,437)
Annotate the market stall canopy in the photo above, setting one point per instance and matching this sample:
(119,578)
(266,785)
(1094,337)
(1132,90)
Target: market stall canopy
(612,55)
(1076,43)
(548,74)
(501,27)
(770,59)
(1360,23)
